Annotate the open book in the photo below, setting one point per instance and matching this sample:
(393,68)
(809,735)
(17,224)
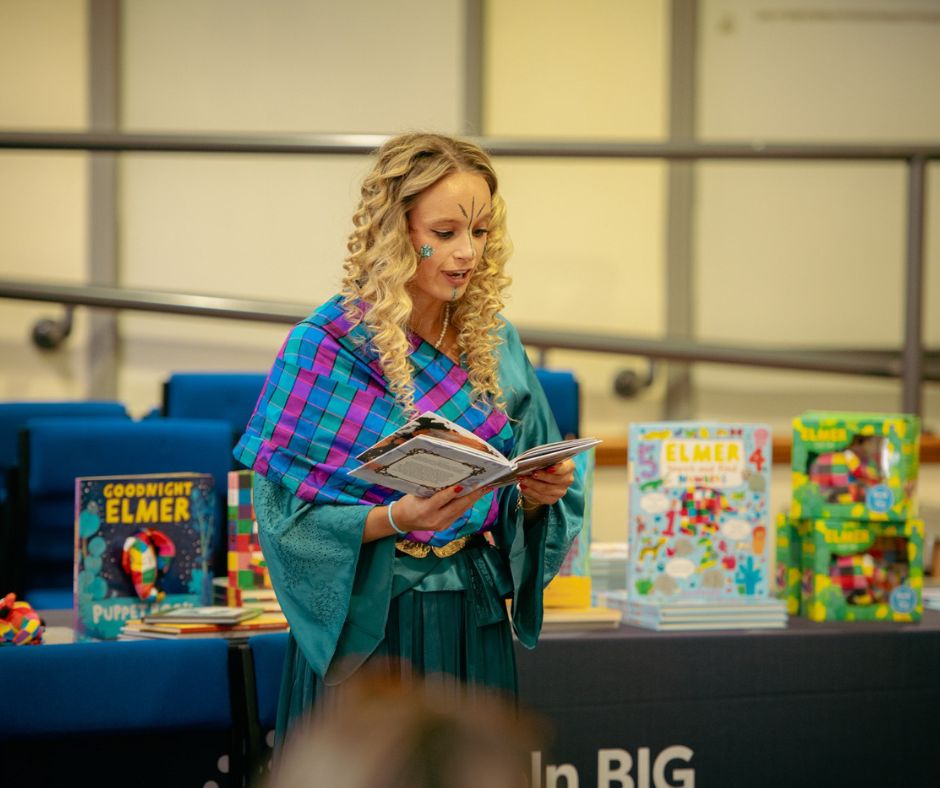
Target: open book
(430,453)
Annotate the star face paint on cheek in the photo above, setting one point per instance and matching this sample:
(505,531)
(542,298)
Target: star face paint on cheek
(425,251)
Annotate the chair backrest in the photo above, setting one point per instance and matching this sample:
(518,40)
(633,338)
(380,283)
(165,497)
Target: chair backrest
(267,654)
(262,687)
(14,415)
(55,451)
(231,396)
(564,397)
(152,713)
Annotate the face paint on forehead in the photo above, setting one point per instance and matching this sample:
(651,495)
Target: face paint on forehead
(474,213)
(472,216)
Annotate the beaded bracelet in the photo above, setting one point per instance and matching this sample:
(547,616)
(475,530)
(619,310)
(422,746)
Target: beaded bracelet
(391,520)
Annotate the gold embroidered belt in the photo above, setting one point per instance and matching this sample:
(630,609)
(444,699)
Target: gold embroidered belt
(422,550)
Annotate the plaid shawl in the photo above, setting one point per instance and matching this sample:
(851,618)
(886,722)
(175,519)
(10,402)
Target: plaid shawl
(326,400)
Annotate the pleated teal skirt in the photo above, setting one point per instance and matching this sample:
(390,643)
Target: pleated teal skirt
(448,627)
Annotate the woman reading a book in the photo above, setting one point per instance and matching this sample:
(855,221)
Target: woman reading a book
(363,572)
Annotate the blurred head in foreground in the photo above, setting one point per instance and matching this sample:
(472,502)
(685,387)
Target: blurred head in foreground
(395,735)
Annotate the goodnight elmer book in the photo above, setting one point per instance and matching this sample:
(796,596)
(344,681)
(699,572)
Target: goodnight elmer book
(142,544)
(699,512)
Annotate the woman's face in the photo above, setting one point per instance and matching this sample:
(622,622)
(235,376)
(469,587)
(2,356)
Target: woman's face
(449,221)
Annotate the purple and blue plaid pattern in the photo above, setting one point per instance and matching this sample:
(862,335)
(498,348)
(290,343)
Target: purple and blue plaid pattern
(326,400)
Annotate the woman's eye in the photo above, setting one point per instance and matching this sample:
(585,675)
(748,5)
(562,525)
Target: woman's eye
(444,233)
(480,232)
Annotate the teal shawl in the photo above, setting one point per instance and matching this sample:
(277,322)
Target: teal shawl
(335,590)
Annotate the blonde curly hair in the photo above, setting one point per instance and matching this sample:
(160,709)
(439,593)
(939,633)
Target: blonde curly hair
(382,261)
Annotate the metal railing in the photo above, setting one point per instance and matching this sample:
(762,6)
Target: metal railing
(866,362)
(909,363)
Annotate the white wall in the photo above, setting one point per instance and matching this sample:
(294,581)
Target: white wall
(42,195)
(270,227)
(588,234)
(785,253)
(792,254)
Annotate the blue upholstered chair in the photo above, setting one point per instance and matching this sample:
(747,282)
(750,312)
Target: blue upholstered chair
(147,713)
(564,397)
(263,664)
(13,417)
(230,396)
(56,451)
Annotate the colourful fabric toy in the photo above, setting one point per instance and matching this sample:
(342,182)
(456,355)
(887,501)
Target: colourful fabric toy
(845,475)
(701,508)
(856,575)
(19,623)
(146,557)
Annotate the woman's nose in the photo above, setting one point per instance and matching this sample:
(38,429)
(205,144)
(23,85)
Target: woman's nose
(466,250)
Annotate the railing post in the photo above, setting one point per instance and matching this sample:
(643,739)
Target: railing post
(912,359)
(104,90)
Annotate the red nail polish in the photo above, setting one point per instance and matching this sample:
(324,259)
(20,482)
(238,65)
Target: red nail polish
(458,489)
(523,487)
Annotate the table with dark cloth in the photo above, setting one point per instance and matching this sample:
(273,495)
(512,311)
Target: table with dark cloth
(813,705)
(840,704)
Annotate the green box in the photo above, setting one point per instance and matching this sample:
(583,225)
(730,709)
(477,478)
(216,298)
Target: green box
(863,571)
(789,566)
(855,466)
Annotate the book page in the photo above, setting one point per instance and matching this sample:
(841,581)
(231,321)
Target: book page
(432,425)
(544,456)
(431,470)
(423,465)
(576,445)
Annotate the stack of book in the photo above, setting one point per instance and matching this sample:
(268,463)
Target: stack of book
(201,622)
(608,567)
(699,614)
(224,594)
(568,599)
(699,554)
(932,598)
(579,619)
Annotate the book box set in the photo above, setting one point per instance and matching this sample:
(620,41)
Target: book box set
(851,547)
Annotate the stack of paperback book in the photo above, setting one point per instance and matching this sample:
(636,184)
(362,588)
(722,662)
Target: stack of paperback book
(561,619)
(223,593)
(201,622)
(699,614)
(699,552)
(608,567)
(932,598)
(568,601)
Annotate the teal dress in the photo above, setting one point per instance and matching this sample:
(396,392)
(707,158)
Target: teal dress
(350,605)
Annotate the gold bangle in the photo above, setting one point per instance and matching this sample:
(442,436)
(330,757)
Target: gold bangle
(521,501)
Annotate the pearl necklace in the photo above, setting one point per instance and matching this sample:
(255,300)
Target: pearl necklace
(437,345)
